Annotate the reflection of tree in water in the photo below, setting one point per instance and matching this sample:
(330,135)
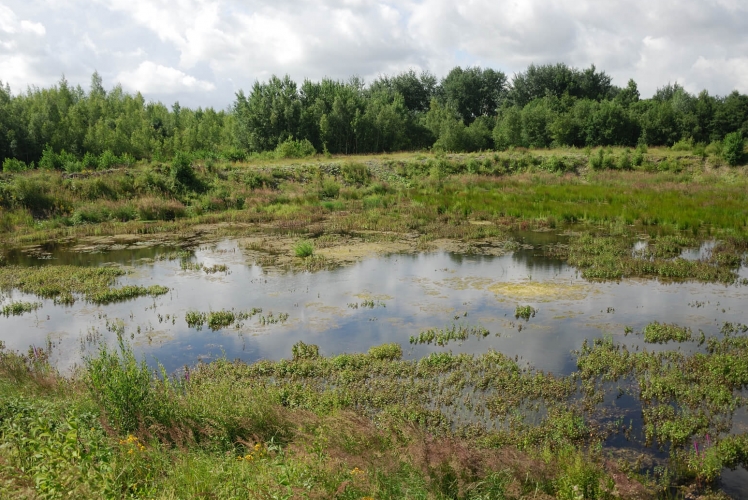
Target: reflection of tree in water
(59,255)
(535,260)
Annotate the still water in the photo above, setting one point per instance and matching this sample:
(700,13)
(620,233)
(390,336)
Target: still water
(410,293)
(333,309)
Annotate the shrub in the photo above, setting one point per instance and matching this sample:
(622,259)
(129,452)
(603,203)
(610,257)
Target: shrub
(121,386)
(329,189)
(683,145)
(624,161)
(596,160)
(90,161)
(181,172)
(13,165)
(355,173)
(389,352)
(234,155)
(733,148)
(50,160)
(107,160)
(300,351)
(291,148)
(303,248)
(158,209)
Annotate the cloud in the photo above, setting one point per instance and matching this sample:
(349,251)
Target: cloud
(178,48)
(22,49)
(150,77)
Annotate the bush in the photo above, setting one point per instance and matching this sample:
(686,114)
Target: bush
(733,148)
(158,209)
(329,189)
(121,386)
(683,145)
(13,165)
(624,161)
(234,155)
(355,173)
(291,148)
(50,160)
(181,172)
(596,160)
(107,160)
(90,161)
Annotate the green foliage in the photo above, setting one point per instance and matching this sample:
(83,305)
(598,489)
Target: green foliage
(329,188)
(303,249)
(356,174)
(656,333)
(733,150)
(19,308)
(121,386)
(11,165)
(524,312)
(389,352)
(301,351)
(291,148)
(442,337)
(107,160)
(181,172)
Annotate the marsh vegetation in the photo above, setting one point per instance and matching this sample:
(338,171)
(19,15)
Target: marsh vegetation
(489,261)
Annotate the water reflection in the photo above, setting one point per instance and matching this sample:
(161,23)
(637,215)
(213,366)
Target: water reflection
(413,292)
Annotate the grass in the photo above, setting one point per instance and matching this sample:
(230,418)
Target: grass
(365,425)
(303,249)
(217,320)
(64,283)
(402,192)
(20,308)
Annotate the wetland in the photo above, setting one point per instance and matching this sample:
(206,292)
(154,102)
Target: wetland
(436,327)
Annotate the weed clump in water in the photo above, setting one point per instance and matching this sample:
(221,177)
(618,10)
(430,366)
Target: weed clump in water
(216,320)
(303,249)
(442,336)
(524,312)
(20,308)
(656,333)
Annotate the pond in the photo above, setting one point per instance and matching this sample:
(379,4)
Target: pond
(378,300)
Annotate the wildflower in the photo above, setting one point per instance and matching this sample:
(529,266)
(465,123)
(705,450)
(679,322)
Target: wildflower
(356,471)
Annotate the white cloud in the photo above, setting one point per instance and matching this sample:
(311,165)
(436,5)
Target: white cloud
(150,77)
(22,50)
(230,43)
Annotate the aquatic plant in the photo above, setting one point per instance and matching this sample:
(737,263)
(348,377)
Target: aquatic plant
(19,308)
(303,249)
(524,312)
(442,337)
(656,333)
(216,320)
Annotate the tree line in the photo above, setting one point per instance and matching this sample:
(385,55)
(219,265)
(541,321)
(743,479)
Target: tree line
(470,109)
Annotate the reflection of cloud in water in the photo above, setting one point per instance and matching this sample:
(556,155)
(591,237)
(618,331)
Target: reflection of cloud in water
(420,291)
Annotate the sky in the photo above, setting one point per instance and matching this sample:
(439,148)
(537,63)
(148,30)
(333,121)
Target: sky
(201,52)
